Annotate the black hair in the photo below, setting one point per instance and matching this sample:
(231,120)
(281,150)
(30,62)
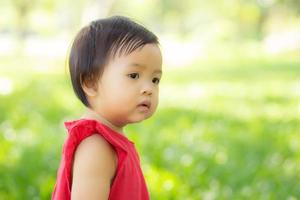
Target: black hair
(99,41)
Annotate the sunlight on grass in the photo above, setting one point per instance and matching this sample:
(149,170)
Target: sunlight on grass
(271,99)
(6,86)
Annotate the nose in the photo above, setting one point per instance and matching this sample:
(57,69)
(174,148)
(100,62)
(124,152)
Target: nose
(147,89)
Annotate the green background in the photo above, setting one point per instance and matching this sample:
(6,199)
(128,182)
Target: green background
(227,126)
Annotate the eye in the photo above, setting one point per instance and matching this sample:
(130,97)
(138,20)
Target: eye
(156,80)
(134,75)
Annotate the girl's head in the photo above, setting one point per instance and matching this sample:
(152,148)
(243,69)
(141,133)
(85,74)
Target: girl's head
(115,67)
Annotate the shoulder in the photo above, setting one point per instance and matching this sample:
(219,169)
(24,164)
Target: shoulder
(95,149)
(94,167)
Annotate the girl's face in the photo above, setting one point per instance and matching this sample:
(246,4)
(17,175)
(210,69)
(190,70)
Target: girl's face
(129,86)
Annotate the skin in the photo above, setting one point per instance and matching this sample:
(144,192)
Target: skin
(126,82)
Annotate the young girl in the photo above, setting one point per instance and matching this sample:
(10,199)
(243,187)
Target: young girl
(115,67)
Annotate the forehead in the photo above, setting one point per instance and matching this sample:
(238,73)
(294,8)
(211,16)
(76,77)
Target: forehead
(147,56)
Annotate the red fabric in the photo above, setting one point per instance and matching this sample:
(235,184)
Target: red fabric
(129,183)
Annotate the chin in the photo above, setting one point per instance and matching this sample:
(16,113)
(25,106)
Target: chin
(137,121)
(140,119)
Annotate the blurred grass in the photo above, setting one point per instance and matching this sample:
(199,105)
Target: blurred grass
(225,129)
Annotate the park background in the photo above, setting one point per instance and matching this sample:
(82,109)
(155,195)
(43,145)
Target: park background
(228,123)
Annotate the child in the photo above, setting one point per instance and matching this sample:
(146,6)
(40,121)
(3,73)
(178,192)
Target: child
(115,67)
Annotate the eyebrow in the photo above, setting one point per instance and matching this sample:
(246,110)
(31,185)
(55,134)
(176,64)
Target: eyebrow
(143,66)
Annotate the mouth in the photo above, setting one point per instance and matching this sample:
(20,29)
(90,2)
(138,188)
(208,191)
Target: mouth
(145,104)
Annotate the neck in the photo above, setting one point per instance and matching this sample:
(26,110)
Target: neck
(90,114)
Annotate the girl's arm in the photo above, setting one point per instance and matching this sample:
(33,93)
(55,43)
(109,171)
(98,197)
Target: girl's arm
(94,167)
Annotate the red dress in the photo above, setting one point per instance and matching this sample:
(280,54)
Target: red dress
(129,183)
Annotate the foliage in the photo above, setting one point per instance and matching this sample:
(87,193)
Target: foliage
(238,139)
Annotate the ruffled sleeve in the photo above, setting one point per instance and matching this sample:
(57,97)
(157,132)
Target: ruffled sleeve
(80,129)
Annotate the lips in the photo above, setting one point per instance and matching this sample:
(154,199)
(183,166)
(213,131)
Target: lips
(145,103)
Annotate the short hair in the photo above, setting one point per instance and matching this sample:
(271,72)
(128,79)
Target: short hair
(99,41)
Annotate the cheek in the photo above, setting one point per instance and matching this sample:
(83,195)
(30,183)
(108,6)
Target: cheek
(121,95)
(156,99)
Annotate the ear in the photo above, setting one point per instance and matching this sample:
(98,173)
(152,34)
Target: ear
(90,88)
